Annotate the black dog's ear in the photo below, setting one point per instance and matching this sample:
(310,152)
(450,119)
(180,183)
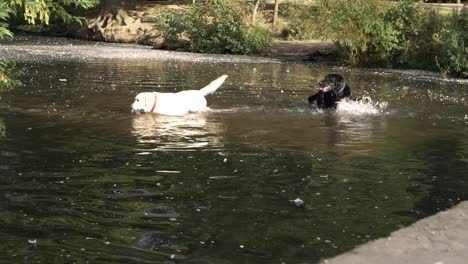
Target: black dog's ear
(347,91)
(338,79)
(340,85)
(338,82)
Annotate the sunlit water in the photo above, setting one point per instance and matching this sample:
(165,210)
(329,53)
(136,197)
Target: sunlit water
(84,180)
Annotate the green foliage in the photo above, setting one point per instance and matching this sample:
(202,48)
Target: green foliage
(415,29)
(402,34)
(429,40)
(256,39)
(424,46)
(453,54)
(357,26)
(173,26)
(8,75)
(32,12)
(59,10)
(5,12)
(302,24)
(214,26)
(6,66)
(404,19)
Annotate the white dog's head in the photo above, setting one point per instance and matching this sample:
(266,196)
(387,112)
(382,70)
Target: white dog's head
(144,102)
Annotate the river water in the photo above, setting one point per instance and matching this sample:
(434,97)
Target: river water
(84,180)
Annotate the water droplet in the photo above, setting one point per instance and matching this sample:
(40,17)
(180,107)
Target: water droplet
(298,202)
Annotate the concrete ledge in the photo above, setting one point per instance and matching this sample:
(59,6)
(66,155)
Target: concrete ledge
(438,239)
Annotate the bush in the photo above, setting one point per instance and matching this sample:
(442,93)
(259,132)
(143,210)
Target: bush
(357,26)
(302,24)
(173,26)
(415,30)
(402,34)
(5,12)
(452,58)
(424,47)
(215,26)
(257,39)
(404,18)
(9,75)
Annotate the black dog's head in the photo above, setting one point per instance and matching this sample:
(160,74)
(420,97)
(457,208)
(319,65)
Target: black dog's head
(333,88)
(332,82)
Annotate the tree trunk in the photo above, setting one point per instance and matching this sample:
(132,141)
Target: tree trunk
(109,10)
(110,6)
(114,12)
(275,14)
(255,10)
(114,23)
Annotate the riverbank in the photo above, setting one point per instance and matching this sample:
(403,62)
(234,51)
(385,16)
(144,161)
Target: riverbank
(139,26)
(438,239)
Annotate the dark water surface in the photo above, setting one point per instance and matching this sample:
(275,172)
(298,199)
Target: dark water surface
(83,180)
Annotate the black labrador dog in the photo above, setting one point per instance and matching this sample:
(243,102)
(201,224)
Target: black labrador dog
(333,88)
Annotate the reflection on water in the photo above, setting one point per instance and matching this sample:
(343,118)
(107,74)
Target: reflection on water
(2,130)
(188,132)
(83,180)
(354,132)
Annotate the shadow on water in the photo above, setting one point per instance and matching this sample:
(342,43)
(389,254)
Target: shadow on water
(84,180)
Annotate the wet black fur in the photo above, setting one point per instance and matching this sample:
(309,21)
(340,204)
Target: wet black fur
(330,99)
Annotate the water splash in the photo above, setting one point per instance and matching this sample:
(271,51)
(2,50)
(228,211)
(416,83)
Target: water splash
(361,107)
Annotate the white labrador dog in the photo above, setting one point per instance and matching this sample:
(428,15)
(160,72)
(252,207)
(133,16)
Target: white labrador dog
(175,103)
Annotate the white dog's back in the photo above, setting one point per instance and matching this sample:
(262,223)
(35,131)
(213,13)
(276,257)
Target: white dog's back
(176,103)
(181,103)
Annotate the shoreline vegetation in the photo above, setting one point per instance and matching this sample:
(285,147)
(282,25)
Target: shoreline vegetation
(375,34)
(28,47)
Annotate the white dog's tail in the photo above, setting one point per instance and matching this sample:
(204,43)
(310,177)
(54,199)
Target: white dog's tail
(213,86)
